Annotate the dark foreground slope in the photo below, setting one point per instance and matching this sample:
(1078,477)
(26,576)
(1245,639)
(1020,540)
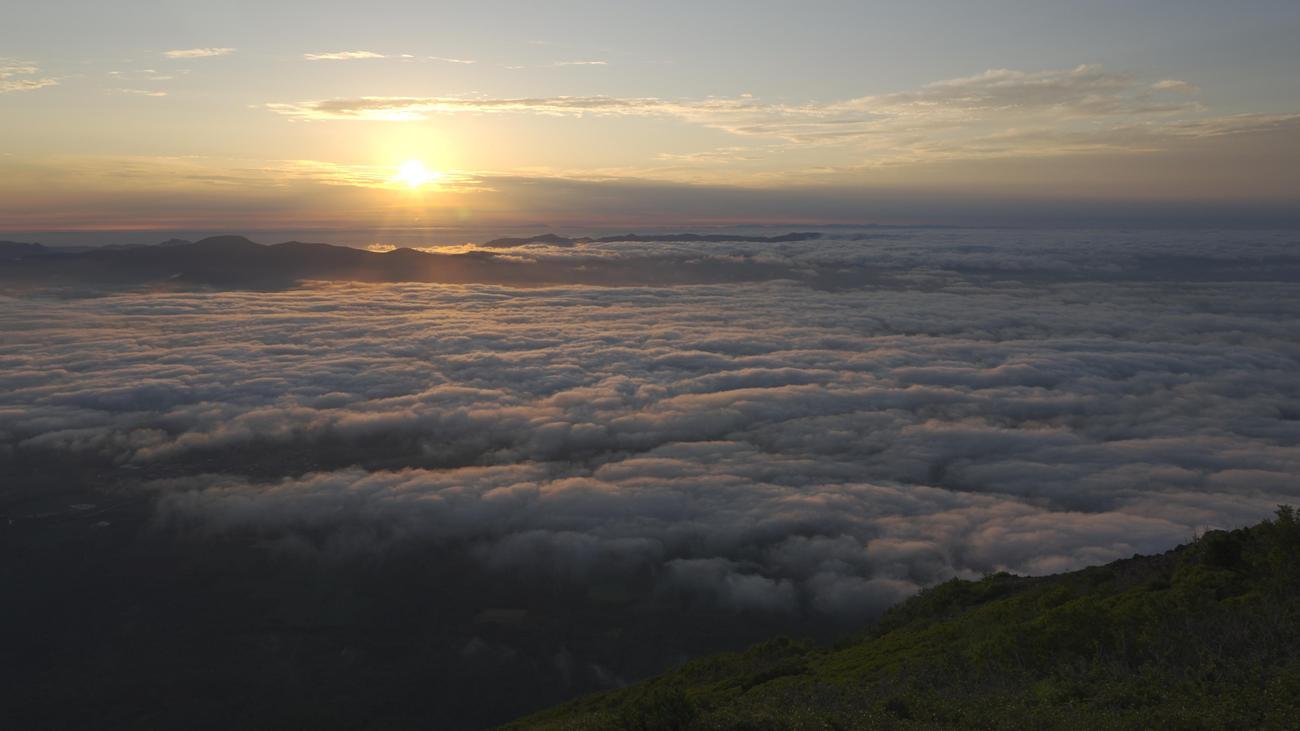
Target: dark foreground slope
(1205,636)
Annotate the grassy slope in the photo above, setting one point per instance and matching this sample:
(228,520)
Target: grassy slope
(1205,636)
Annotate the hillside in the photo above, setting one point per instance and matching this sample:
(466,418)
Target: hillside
(1204,636)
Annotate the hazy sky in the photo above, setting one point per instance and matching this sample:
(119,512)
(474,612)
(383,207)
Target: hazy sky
(240,114)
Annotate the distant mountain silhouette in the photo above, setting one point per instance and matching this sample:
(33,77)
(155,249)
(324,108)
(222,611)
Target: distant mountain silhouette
(554,240)
(715,238)
(550,239)
(13,250)
(235,261)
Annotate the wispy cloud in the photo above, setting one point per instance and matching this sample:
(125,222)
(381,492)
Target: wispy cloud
(343,56)
(415,108)
(997,113)
(198,52)
(7,86)
(138,92)
(556,64)
(373,55)
(145,75)
(721,154)
(18,75)
(1175,85)
(13,67)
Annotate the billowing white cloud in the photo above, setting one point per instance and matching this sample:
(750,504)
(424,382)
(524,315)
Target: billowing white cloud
(991,401)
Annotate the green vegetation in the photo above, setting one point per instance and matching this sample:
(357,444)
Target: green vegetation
(1206,636)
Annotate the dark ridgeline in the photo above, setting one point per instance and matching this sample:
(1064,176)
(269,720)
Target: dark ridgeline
(554,240)
(15,251)
(237,262)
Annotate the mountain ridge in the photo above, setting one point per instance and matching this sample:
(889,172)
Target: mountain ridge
(1204,636)
(556,240)
(232,260)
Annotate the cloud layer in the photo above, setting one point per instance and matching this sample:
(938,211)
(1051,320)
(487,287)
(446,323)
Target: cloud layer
(765,447)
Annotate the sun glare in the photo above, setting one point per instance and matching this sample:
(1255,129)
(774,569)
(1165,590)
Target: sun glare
(414,174)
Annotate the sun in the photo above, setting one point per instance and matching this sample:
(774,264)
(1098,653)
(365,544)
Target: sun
(414,174)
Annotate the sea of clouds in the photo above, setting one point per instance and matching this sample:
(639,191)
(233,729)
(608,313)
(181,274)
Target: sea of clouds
(763,446)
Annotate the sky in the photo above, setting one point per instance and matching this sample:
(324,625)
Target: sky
(243,115)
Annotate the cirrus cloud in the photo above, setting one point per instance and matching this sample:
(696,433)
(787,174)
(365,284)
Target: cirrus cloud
(997,113)
(209,52)
(343,56)
(16,76)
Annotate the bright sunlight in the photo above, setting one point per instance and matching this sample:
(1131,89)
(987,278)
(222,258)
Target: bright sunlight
(414,174)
